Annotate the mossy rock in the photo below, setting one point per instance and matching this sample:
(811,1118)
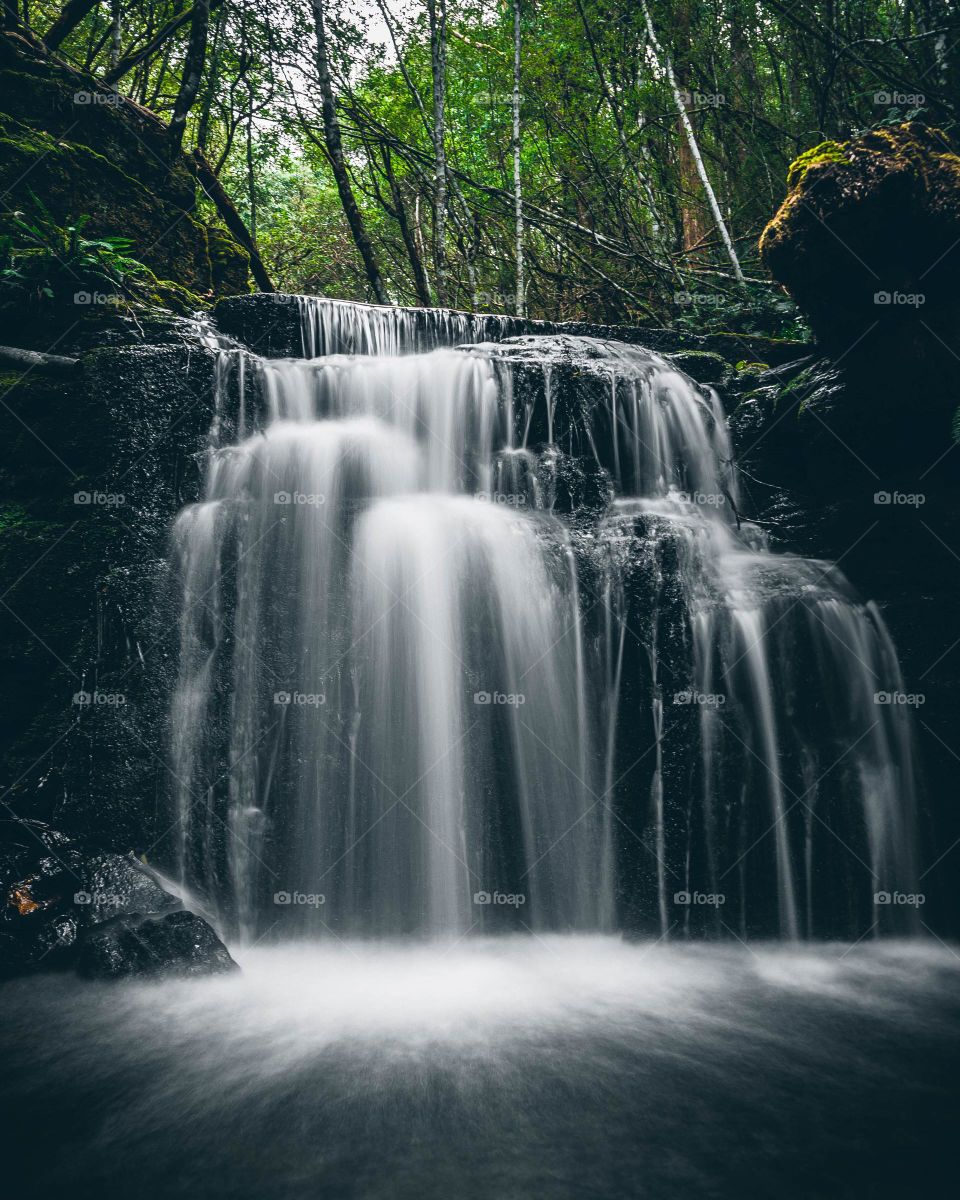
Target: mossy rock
(229,263)
(869,233)
(705,366)
(87,152)
(826,152)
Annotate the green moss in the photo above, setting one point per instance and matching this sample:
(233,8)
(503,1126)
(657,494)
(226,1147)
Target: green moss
(12,516)
(705,366)
(112,164)
(826,152)
(229,263)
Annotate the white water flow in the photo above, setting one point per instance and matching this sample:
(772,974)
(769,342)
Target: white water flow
(407,695)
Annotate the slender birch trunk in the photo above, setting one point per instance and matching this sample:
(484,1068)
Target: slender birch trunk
(517,186)
(692,143)
(438,59)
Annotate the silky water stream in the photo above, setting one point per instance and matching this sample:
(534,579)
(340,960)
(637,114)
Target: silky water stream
(560,827)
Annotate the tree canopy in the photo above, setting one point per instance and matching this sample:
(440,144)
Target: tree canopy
(569,158)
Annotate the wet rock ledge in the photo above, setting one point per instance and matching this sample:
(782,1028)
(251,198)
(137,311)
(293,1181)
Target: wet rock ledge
(68,906)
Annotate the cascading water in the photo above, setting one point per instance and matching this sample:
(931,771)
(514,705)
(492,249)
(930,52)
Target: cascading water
(467,645)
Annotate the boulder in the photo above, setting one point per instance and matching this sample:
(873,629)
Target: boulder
(869,233)
(88,151)
(179,944)
(65,905)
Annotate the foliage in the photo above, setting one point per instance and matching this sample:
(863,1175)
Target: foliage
(41,262)
(617,221)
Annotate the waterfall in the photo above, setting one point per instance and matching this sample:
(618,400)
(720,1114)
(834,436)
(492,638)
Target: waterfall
(339,327)
(473,637)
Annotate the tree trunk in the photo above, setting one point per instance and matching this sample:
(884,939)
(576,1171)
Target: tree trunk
(116,32)
(43,364)
(125,65)
(691,142)
(192,73)
(232,219)
(334,146)
(639,176)
(70,17)
(420,282)
(437,10)
(521,304)
(213,78)
(11,16)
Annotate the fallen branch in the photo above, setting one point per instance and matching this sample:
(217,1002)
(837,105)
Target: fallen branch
(44,364)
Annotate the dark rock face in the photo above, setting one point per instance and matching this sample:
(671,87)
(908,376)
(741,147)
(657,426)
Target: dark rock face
(868,244)
(836,466)
(269,325)
(851,456)
(178,944)
(66,905)
(876,216)
(92,473)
